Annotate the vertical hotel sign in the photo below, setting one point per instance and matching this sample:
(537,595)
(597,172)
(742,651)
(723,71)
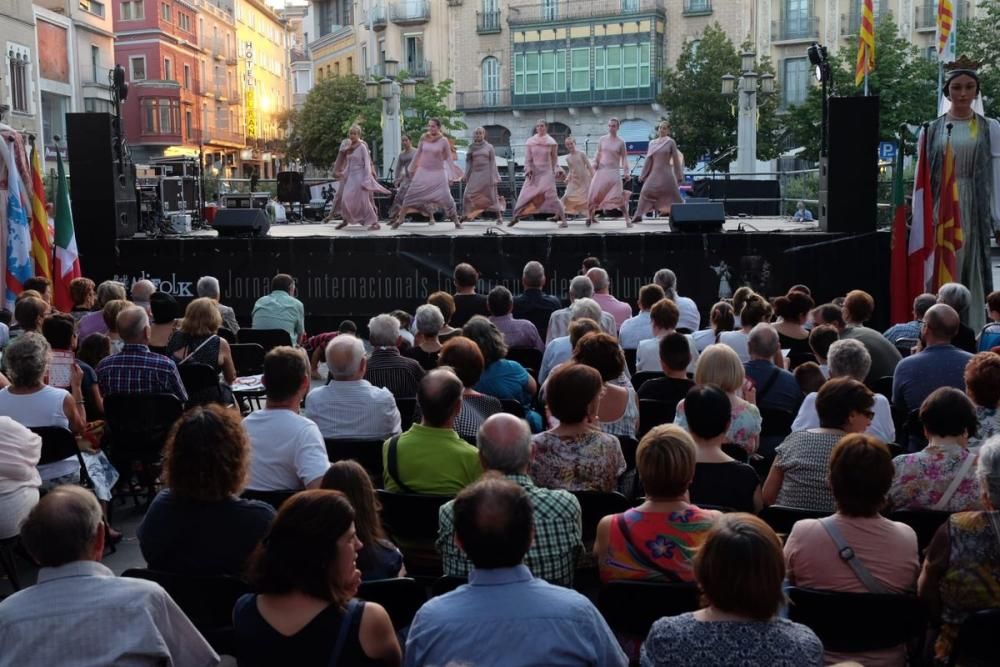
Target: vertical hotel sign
(251,99)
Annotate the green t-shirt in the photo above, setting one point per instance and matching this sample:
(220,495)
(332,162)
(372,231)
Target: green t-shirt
(434,461)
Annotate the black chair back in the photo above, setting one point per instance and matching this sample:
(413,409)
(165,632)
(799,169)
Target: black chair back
(977,644)
(735,451)
(57,444)
(266,338)
(629,447)
(201,382)
(630,360)
(914,431)
(781,518)
(905,346)
(226,335)
(248,358)
(401,597)
(595,505)
(513,407)
(653,413)
(924,523)
(446,584)
(631,607)
(882,385)
(366,452)
(138,424)
(272,498)
(796,359)
(411,516)
(528,357)
(856,622)
(207,601)
(775,423)
(407,407)
(642,376)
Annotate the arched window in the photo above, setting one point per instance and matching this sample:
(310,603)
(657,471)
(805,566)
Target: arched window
(491,81)
(559,132)
(499,136)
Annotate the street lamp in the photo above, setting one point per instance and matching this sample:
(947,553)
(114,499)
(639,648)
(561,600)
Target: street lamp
(746,87)
(390,89)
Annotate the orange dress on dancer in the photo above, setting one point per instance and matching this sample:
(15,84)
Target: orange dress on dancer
(353,171)
(481,180)
(430,173)
(663,170)
(578,176)
(606,191)
(538,194)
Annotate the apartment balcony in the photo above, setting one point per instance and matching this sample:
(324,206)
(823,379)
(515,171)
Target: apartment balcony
(223,135)
(850,23)
(482,100)
(411,12)
(488,23)
(925,17)
(697,8)
(376,72)
(798,29)
(417,69)
(377,20)
(571,10)
(498,100)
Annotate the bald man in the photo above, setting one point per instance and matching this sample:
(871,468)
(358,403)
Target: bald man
(505,447)
(350,407)
(620,310)
(939,364)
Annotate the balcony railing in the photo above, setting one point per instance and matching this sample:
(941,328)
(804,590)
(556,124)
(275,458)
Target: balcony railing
(418,69)
(377,18)
(411,12)
(559,10)
(796,28)
(697,8)
(488,23)
(925,17)
(483,100)
(222,135)
(850,23)
(471,100)
(376,71)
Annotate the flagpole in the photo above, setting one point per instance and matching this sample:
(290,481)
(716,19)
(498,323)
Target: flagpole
(940,84)
(55,142)
(866,79)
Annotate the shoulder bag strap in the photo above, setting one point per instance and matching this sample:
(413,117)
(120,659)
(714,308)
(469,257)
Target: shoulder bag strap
(772,378)
(847,555)
(353,606)
(957,480)
(195,351)
(393,465)
(637,553)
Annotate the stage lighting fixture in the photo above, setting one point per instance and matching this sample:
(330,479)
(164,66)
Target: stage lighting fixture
(818,58)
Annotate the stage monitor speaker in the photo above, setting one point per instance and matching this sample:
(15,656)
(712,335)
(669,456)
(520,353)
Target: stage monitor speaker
(241,222)
(701,217)
(292,188)
(849,174)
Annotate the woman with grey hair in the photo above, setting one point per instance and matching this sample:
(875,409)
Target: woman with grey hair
(959,297)
(849,358)
(109,290)
(502,377)
(962,562)
(426,344)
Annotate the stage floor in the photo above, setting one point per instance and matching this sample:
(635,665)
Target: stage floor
(523,228)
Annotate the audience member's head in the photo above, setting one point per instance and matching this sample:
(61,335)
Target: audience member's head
(821,338)
(533,275)
(585,307)
(667,280)
(383,330)
(207,455)
(345,357)
(404,319)
(82,292)
(708,411)
(43,286)
(164,308)
(831,314)
(29,312)
(794,306)
(494,522)
(351,479)
(573,393)
(955,295)
(112,309)
(849,358)
(445,303)
(486,335)
(500,301)
(580,328)
(721,366)
(601,351)
(861,473)
(65,526)
(993,304)
(208,287)
(809,376)
(599,277)
(465,275)
(440,397)
(465,358)
(845,404)
(93,348)
(722,318)
(799,287)
(859,306)
(763,342)
(60,330)
(142,290)
(580,288)
(286,374)
(988,472)
(755,311)
(922,303)
(665,461)
(282,282)
(108,290)
(948,413)
(201,318)
(504,443)
(429,321)
(675,353)
(664,315)
(347,327)
(740,298)
(982,379)
(133,325)
(589,263)
(26,359)
(941,324)
(649,295)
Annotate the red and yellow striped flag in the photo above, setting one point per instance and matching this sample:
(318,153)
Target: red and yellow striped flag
(945,20)
(948,238)
(41,235)
(866,43)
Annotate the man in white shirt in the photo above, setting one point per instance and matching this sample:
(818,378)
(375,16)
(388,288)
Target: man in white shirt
(79,613)
(639,327)
(287,450)
(689,319)
(579,288)
(559,349)
(350,407)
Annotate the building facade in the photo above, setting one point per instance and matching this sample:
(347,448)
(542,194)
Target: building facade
(19,89)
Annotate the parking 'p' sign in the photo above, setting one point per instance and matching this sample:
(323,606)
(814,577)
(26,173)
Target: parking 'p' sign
(886,150)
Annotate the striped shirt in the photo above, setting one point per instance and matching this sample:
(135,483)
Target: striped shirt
(353,409)
(136,370)
(388,368)
(518,333)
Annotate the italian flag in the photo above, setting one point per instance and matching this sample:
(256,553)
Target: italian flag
(67,264)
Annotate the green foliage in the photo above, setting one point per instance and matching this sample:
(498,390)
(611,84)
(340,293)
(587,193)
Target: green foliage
(331,107)
(800,186)
(977,38)
(703,119)
(429,102)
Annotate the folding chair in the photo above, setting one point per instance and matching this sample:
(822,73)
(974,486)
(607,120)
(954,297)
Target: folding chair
(411,519)
(59,443)
(401,597)
(137,428)
(528,357)
(407,407)
(447,584)
(631,607)
(201,382)
(594,506)
(781,518)
(272,498)
(642,376)
(266,338)
(513,407)
(366,452)
(976,644)
(653,413)
(924,523)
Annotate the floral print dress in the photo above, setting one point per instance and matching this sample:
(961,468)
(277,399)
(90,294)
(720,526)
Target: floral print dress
(922,478)
(590,461)
(655,546)
(744,429)
(989,425)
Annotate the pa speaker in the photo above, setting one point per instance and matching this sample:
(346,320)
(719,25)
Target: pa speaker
(292,188)
(701,217)
(241,222)
(849,175)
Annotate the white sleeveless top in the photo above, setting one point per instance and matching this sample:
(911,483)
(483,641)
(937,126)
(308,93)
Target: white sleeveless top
(42,408)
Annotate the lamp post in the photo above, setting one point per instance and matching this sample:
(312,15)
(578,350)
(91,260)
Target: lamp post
(746,87)
(391,90)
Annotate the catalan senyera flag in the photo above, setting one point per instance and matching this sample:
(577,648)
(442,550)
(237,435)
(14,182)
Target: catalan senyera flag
(948,237)
(920,252)
(866,43)
(41,235)
(945,23)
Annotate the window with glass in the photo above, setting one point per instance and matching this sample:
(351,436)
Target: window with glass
(187,77)
(519,73)
(579,66)
(622,66)
(531,72)
(798,17)
(184,22)
(796,81)
(132,10)
(540,72)
(166,11)
(137,67)
(413,50)
(95,104)
(160,115)
(491,80)
(550,10)
(630,6)
(168,70)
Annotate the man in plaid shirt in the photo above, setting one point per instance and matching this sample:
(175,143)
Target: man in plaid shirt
(136,370)
(505,446)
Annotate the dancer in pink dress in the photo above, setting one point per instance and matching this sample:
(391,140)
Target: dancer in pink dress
(578,176)
(541,165)
(353,171)
(430,173)
(481,178)
(606,190)
(402,180)
(663,170)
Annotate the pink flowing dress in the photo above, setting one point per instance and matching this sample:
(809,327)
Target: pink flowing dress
(430,173)
(578,175)
(663,169)
(538,194)
(358,186)
(481,180)
(402,180)
(606,192)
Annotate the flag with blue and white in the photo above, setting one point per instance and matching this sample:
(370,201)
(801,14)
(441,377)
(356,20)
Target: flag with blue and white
(19,264)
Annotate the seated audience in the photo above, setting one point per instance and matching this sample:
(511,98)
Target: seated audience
(810,377)
(59,329)
(92,350)
(575,455)
(198,524)
(502,377)
(618,411)
(820,339)
(675,357)
(755,311)
(430,457)
(405,322)
(305,579)
(532,303)
(516,333)
(989,337)
(942,476)
(962,563)
(740,571)
(467,301)
(386,367)
(94,322)
(349,407)
(136,370)
(776,387)
(722,319)
(141,291)
(958,297)
(579,288)
(620,310)
(719,479)
(829,314)
(504,443)
(426,344)
(208,288)
(486,622)
(793,311)
(165,313)
(910,331)
(639,327)
(850,359)
(982,386)
(379,558)
(689,319)
(20,450)
(466,360)
(663,316)
(859,307)
(29,311)
(656,540)
(83,294)
(719,365)
(560,349)
(446,304)
(800,474)
(287,450)
(110,313)
(79,612)
(315,346)
(860,474)
(280,309)
(197,340)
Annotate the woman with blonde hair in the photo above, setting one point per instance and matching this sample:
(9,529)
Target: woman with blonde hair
(481,179)
(197,339)
(357,184)
(661,172)
(579,173)
(720,365)
(541,165)
(431,173)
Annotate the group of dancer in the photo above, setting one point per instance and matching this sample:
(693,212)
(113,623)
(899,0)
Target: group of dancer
(424,176)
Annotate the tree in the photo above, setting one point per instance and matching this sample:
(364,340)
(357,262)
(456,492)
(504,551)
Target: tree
(977,38)
(703,119)
(332,106)
(427,103)
(904,79)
